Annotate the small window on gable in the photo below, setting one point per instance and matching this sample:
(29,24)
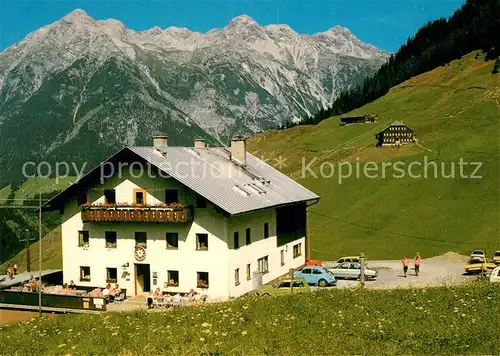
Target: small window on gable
(171,196)
(110,196)
(201,202)
(172,240)
(202,242)
(83,238)
(236,240)
(248,236)
(266,230)
(139,196)
(81,197)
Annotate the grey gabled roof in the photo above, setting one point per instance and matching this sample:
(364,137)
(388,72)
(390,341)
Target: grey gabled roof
(236,189)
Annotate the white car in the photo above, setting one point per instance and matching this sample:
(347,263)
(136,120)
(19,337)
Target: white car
(495,275)
(352,270)
(478,253)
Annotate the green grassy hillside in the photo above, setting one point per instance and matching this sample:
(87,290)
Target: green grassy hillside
(455,112)
(51,254)
(438,321)
(14,223)
(31,187)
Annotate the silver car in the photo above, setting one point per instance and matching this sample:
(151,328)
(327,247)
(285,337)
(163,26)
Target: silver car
(352,270)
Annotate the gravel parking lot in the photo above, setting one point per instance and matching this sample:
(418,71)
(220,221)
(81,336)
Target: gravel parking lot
(435,271)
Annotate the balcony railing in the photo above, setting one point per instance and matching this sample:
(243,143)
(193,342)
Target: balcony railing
(137,214)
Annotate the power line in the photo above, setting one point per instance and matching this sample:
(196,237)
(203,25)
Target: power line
(389,231)
(18,207)
(19,199)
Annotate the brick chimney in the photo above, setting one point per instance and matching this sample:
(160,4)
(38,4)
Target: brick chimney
(239,150)
(200,143)
(160,142)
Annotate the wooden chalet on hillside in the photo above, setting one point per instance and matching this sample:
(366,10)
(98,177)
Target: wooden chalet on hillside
(395,134)
(368,118)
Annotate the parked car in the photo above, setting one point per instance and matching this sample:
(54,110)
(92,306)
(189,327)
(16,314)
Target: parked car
(284,286)
(477,253)
(349,259)
(478,264)
(496,257)
(495,275)
(352,270)
(316,275)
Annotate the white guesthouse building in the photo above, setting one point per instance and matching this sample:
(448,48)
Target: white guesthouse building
(218,220)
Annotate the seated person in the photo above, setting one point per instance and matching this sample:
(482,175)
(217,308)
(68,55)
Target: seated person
(158,294)
(196,299)
(176,298)
(202,284)
(117,289)
(72,285)
(96,293)
(64,289)
(106,291)
(150,300)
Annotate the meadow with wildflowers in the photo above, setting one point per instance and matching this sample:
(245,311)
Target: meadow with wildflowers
(438,321)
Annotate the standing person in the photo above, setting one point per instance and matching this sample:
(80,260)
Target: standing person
(15,269)
(405,265)
(416,261)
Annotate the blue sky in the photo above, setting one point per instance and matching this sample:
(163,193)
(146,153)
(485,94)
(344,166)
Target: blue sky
(383,23)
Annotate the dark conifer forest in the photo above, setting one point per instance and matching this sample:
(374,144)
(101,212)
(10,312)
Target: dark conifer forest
(475,26)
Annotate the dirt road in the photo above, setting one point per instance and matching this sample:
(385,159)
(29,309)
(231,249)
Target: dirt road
(442,270)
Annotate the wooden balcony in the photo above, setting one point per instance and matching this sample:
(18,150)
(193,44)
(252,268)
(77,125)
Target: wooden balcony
(137,214)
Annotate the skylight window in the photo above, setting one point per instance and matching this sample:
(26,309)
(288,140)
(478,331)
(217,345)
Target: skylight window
(240,190)
(254,188)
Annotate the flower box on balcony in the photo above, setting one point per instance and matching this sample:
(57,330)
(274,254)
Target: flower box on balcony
(160,213)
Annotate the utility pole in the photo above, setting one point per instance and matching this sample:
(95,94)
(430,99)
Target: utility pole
(362,272)
(27,240)
(308,237)
(439,146)
(40,252)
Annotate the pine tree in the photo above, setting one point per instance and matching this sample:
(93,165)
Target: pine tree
(496,67)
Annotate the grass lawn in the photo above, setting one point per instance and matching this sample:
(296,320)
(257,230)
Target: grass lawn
(455,111)
(437,321)
(4,193)
(51,254)
(33,186)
